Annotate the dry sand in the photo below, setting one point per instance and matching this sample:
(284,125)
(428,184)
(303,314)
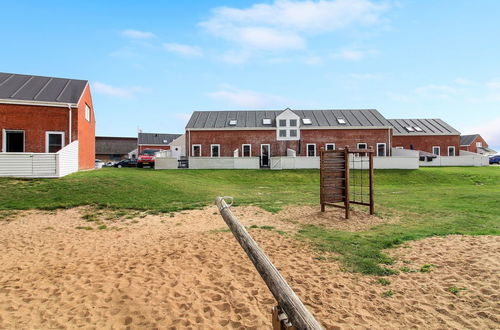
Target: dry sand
(183,272)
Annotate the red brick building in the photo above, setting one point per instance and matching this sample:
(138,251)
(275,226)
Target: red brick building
(159,141)
(429,135)
(475,143)
(268,134)
(44,114)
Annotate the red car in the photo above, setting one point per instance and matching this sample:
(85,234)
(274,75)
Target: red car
(147,158)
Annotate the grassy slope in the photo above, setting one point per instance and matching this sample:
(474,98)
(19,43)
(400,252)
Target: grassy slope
(430,201)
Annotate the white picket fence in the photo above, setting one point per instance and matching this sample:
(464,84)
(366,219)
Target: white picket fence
(40,165)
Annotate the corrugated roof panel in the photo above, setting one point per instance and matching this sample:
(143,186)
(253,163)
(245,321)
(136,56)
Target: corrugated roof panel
(241,117)
(211,119)
(12,85)
(73,91)
(52,91)
(32,88)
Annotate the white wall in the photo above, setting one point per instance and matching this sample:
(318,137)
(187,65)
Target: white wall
(180,145)
(396,162)
(165,163)
(224,163)
(290,163)
(477,160)
(67,160)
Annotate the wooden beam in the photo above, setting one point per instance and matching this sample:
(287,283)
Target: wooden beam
(297,313)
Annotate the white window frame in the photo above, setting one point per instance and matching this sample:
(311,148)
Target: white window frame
(212,151)
(243,150)
(282,130)
(4,138)
(329,144)
(307,149)
(290,133)
(47,133)
(279,123)
(192,150)
(439,150)
(399,147)
(385,149)
(454,151)
(479,144)
(296,123)
(87,112)
(366,144)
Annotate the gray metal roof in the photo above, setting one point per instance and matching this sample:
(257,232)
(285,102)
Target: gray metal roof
(110,145)
(466,140)
(253,118)
(157,138)
(42,89)
(428,126)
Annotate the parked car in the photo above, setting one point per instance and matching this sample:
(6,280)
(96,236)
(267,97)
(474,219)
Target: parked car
(147,158)
(99,163)
(109,164)
(495,159)
(126,163)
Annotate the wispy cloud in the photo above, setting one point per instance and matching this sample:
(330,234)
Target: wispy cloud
(247,98)
(183,50)
(354,54)
(120,92)
(286,24)
(136,34)
(488,130)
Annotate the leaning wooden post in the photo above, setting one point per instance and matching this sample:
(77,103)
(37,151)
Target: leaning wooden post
(295,310)
(346,189)
(321,179)
(372,202)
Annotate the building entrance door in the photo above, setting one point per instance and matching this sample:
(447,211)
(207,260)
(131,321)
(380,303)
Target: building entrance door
(265,153)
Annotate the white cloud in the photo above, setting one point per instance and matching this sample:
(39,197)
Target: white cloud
(313,60)
(352,54)
(247,98)
(136,34)
(284,24)
(464,82)
(183,50)
(235,57)
(129,92)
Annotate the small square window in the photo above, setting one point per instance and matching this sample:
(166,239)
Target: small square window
(196,150)
(410,129)
(293,133)
(341,121)
(362,146)
(293,122)
(418,129)
(282,123)
(282,132)
(266,121)
(436,151)
(306,121)
(330,146)
(232,122)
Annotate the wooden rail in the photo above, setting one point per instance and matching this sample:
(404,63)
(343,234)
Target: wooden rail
(297,313)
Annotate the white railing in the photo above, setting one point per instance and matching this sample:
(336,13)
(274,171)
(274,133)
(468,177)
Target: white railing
(40,165)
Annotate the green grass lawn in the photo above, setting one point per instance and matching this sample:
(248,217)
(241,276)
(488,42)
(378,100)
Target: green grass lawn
(429,201)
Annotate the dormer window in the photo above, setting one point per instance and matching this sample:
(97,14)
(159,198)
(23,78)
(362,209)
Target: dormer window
(282,122)
(410,129)
(418,129)
(232,122)
(266,121)
(341,121)
(293,122)
(306,121)
(165,141)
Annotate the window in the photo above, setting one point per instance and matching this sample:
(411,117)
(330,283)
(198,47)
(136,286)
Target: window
(451,151)
(282,132)
(307,121)
(362,146)
(411,146)
(233,122)
(341,121)
(266,121)
(479,144)
(330,146)
(418,129)
(87,112)
(436,150)
(311,150)
(293,122)
(196,150)
(215,150)
(247,150)
(13,141)
(282,122)
(381,149)
(410,129)
(293,133)
(54,141)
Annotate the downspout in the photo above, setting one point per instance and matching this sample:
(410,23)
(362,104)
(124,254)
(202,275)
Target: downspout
(70,120)
(389,150)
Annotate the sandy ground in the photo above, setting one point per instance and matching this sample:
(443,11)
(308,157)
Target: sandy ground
(183,271)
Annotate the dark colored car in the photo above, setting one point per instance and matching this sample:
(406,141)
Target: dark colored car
(147,158)
(126,163)
(495,159)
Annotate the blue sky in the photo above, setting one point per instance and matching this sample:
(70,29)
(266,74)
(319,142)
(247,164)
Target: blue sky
(151,63)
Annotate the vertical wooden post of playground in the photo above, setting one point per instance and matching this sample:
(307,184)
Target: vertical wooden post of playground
(372,203)
(321,178)
(346,185)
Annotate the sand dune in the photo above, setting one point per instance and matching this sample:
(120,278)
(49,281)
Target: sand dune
(182,272)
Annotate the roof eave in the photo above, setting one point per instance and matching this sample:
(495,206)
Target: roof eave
(38,103)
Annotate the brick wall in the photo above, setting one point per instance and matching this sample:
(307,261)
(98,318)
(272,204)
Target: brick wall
(426,142)
(472,147)
(86,132)
(232,140)
(36,121)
